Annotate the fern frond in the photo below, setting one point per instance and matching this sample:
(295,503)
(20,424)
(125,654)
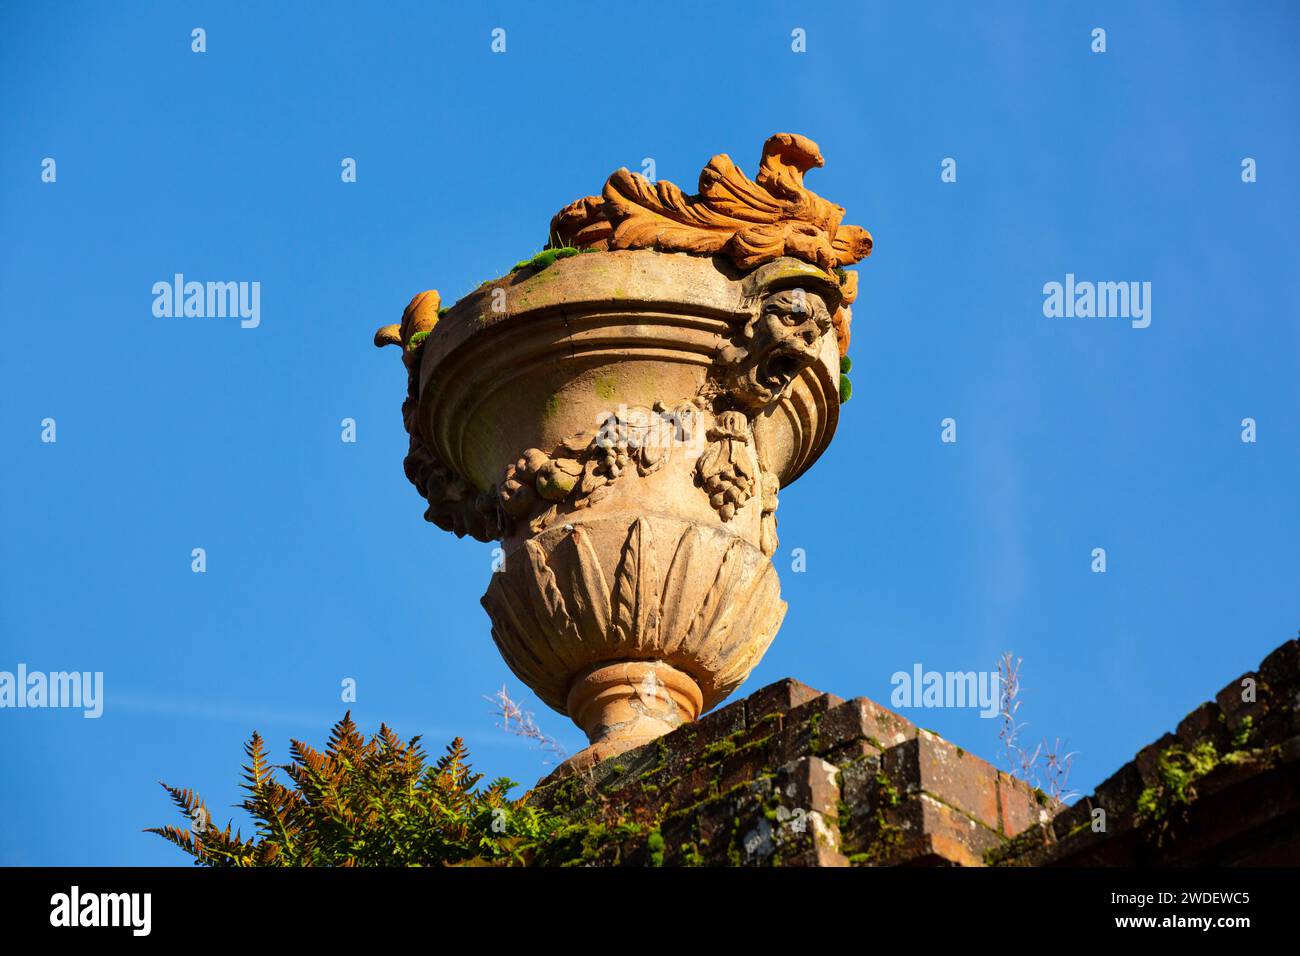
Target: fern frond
(360,802)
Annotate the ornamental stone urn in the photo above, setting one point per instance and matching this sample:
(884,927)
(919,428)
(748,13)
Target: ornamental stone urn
(620,412)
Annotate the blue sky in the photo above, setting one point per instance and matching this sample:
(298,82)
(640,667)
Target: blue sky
(1073,433)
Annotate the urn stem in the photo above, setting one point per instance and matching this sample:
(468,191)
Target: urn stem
(625,704)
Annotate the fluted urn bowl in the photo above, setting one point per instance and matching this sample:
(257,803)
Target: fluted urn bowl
(622,422)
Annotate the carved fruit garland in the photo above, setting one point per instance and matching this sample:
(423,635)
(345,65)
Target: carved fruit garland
(724,470)
(581,470)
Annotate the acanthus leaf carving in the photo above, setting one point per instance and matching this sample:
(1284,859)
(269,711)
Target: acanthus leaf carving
(587,587)
(548,602)
(635,610)
(516,614)
(765,610)
(718,599)
(713,608)
(684,588)
(750,221)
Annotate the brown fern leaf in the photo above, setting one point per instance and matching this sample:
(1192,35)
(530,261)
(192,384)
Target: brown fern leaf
(182,838)
(344,737)
(258,770)
(187,801)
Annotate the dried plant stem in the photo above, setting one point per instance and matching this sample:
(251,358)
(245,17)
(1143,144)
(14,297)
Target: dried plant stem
(513,719)
(1045,767)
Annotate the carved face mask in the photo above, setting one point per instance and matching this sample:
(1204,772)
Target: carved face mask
(776,345)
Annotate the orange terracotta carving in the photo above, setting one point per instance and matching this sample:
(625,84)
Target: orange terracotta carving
(421,315)
(751,222)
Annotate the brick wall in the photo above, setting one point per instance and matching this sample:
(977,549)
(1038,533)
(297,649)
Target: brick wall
(790,776)
(1222,789)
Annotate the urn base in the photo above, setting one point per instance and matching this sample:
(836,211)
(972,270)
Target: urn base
(622,705)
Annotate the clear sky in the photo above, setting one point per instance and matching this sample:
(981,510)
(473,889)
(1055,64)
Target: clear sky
(1073,433)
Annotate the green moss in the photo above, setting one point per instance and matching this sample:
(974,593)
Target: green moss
(655,844)
(1075,830)
(416,340)
(1025,844)
(1238,757)
(443,311)
(1177,771)
(814,733)
(846,389)
(661,756)
(1242,736)
(571,794)
(606,388)
(717,750)
(587,843)
(846,364)
(885,836)
(547,257)
(885,788)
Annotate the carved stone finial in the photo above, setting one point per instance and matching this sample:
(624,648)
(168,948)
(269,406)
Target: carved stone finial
(749,221)
(623,422)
